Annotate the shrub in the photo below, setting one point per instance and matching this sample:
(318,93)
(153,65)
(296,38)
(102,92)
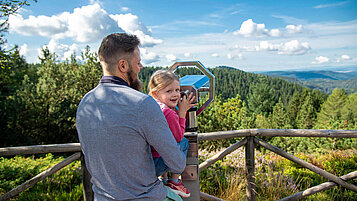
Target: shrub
(63,185)
(276,177)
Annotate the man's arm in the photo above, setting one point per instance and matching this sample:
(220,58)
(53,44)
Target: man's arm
(158,135)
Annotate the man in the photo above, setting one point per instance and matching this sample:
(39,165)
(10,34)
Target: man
(116,125)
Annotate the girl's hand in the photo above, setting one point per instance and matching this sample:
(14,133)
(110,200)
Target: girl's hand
(185,104)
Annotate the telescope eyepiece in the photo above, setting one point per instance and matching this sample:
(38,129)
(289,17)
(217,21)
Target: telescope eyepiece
(184,93)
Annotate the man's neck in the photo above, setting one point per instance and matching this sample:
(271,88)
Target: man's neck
(118,75)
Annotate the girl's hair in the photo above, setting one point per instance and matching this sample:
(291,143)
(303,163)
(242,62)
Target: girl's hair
(161,79)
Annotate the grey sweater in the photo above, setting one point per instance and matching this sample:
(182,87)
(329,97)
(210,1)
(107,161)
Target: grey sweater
(116,126)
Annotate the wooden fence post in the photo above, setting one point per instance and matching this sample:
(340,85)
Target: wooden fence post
(190,176)
(88,194)
(250,169)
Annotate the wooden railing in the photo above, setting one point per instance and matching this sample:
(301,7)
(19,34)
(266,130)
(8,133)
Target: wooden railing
(250,140)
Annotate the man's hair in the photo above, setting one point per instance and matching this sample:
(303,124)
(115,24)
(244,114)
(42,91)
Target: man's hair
(161,79)
(117,46)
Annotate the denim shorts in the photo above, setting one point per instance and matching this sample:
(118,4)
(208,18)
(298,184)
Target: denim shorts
(160,165)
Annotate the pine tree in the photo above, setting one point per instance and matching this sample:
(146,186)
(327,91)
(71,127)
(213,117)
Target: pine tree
(261,100)
(293,108)
(332,108)
(349,111)
(279,118)
(306,116)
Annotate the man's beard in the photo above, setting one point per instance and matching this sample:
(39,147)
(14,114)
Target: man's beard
(136,84)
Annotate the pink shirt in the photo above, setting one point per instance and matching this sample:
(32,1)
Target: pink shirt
(176,125)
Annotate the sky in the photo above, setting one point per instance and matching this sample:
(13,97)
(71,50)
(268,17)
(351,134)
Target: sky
(259,35)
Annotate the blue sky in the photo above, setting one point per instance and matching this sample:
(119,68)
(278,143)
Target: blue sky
(255,35)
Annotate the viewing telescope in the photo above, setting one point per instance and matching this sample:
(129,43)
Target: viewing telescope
(197,84)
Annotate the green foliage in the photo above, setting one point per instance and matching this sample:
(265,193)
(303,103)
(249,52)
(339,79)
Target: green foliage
(42,107)
(63,185)
(333,106)
(349,110)
(311,145)
(336,162)
(306,116)
(223,116)
(277,177)
(261,100)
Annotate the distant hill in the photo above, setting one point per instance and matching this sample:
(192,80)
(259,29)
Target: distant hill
(309,75)
(231,81)
(322,80)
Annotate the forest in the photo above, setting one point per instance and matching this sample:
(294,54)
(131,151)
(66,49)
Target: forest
(39,101)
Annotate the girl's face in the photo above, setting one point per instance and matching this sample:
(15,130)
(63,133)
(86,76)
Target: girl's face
(170,95)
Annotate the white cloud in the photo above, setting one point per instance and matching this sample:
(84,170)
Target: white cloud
(148,57)
(294,47)
(292,29)
(187,54)
(234,56)
(215,55)
(62,51)
(171,58)
(90,23)
(124,9)
(41,25)
(23,50)
(265,45)
(275,33)
(130,24)
(250,29)
(345,57)
(331,5)
(320,60)
(86,24)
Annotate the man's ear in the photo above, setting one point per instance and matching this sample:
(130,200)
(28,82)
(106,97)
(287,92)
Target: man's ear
(123,66)
(153,94)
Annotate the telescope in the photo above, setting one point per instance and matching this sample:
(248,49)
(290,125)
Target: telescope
(198,85)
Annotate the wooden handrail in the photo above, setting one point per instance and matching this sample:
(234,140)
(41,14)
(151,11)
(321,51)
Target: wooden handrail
(222,154)
(318,188)
(40,149)
(277,133)
(307,165)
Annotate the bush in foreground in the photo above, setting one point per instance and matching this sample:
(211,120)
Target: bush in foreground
(63,185)
(276,177)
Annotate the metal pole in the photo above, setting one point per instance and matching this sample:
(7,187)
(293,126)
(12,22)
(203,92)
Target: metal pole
(88,194)
(250,174)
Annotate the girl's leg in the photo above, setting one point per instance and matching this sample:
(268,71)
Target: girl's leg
(184,145)
(160,166)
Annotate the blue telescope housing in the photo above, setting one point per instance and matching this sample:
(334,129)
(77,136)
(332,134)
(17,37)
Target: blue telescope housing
(192,83)
(196,81)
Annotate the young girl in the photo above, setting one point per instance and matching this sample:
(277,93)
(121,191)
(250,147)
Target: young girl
(164,87)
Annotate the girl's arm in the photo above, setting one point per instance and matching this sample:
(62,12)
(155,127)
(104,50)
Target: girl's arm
(176,124)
